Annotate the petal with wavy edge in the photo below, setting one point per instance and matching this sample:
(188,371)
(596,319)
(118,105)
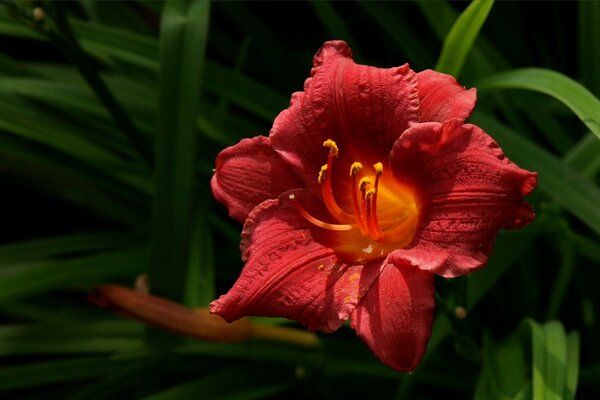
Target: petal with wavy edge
(364,109)
(291,272)
(442,98)
(466,189)
(394,318)
(248,174)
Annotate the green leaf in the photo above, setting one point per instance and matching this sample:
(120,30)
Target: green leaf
(110,386)
(461,37)
(184,28)
(73,180)
(71,338)
(562,281)
(580,100)
(335,25)
(230,384)
(504,368)
(564,184)
(395,24)
(200,280)
(589,44)
(27,279)
(549,360)
(584,155)
(56,371)
(65,245)
(572,366)
(509,246)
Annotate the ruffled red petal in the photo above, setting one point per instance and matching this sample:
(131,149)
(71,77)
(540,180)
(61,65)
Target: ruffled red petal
(394,318)
(291,272)
(364,109)
(467,190)
(248,174)
(442,98)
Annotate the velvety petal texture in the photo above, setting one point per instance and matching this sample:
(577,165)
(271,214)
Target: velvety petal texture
(364,108)
(290,273)
(442,98)
(248,174)
(467,190)
(394,318)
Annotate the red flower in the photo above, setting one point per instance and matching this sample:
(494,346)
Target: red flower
(368,185)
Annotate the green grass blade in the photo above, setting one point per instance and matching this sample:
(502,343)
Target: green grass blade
(183,40)
(564,273)
(200,280)
(66,245)
(395,24)
(508,247)
(335,25)
(584,155)
(21,280)
(585,246)
(55,371)
(76,182)
(461,37)
(549,346)
(564,184)
(504,369)
(116,14)
(526,392)
(589,44)
(572,366)
(110,386)
(73,337)
(230,384)
(580,100)
(243,91)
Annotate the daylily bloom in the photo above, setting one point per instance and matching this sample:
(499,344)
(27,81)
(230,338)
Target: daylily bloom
(368,185)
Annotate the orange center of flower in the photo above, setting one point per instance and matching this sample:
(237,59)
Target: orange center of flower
(382,215)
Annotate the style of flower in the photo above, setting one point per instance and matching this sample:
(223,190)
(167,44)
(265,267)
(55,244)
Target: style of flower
(368,185)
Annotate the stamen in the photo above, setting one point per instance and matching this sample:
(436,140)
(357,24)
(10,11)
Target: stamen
(354,169)
(378,168)
(322,174)
(372,221)
(315,221)
(333,149)
(369,194)
(363,183)
(325,178)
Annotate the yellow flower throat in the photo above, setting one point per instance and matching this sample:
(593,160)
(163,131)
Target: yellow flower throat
(382,217)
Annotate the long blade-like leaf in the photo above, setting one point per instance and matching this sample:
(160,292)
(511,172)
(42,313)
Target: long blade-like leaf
(460,39)
(580,100)
(184,28)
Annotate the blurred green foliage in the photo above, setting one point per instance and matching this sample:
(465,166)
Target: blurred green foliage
(111,114)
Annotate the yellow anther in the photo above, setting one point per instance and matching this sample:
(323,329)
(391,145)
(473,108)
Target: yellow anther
(354,168)
(363,183)
(333,149)
(322,174)
(370,193)
(378,168)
